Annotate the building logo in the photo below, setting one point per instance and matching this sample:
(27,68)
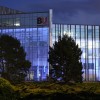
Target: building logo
(42,21)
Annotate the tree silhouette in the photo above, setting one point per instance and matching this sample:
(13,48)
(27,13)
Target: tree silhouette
(64,59)
(13,65)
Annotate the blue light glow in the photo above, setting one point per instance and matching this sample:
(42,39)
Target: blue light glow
(35,42)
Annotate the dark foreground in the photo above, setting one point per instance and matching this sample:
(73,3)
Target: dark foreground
(49,91)
(59,96)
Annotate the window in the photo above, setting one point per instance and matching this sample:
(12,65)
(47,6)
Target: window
(88,66)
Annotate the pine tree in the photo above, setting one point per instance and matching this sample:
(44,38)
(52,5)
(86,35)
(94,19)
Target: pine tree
(64,57)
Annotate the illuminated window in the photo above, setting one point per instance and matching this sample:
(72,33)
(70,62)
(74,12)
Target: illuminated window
(88,66)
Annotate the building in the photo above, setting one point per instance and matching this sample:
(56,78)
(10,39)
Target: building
(88,39)
(37,32)
(32,29)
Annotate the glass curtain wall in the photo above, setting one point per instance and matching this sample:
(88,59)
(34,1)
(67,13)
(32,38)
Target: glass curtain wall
(34,38)
(87,37)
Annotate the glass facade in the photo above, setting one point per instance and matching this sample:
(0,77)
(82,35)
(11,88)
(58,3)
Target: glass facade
(88,39)
(36,33)
(32,29)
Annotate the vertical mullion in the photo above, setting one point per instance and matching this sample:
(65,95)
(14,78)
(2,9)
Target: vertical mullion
(70,28)
(80,37)
(99,51)
(60,29)
(75,33)
(92,52)
(55,31)
(87,51)
(95,51)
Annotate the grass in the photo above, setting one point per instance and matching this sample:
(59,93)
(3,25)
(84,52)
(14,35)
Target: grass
(50,91)
(79,90)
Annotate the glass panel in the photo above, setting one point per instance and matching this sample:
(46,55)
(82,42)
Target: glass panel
(34,38)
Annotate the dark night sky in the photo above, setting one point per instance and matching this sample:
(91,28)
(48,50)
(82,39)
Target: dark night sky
(64,11)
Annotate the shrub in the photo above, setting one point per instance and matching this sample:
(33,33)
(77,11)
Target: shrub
(6,90)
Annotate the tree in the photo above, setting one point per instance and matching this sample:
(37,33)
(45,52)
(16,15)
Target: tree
(64,57)
(13,65)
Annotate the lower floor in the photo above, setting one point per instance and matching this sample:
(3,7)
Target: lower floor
(36,43)
(37,73)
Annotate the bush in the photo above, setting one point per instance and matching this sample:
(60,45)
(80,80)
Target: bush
(6,90)
(52,91)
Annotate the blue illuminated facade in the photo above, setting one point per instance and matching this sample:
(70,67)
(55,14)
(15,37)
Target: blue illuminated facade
(36,33)
(32,29)
(88,39)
